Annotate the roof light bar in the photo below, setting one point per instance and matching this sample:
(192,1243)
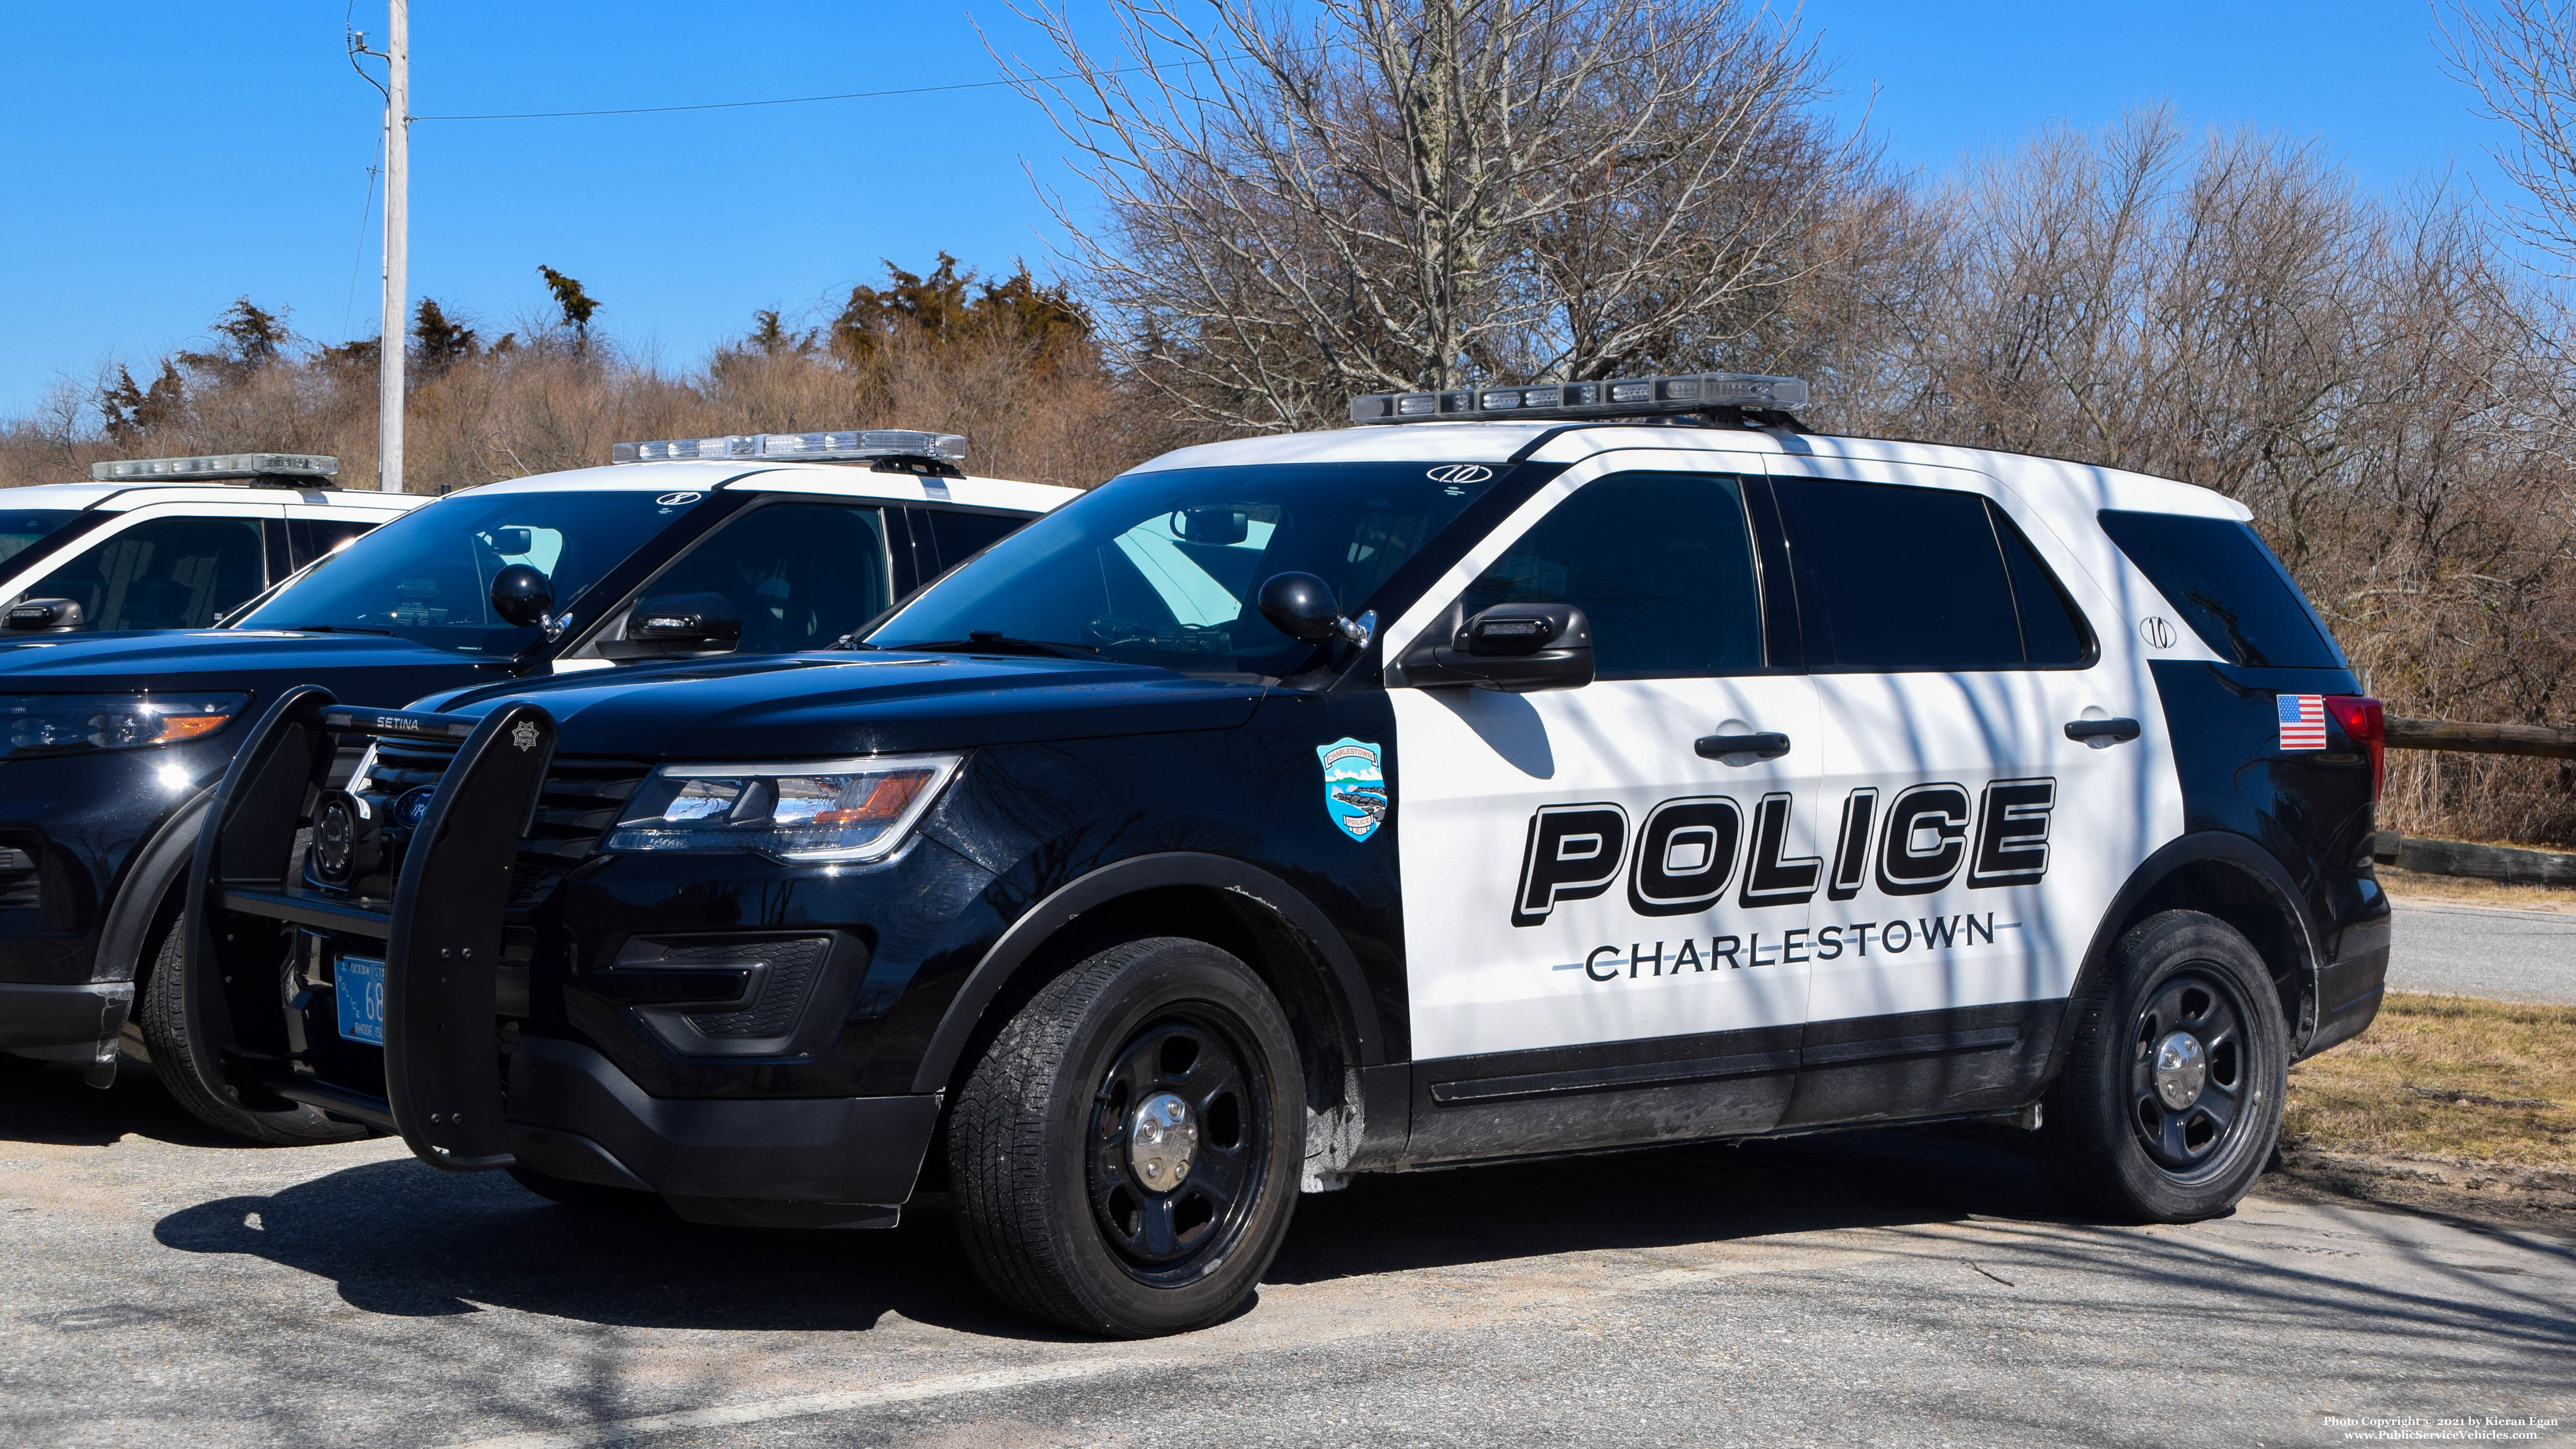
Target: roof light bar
(215,467)
(798,447)
(1619,397)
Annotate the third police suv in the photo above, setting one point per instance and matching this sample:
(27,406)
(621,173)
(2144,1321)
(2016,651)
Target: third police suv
(1525,770)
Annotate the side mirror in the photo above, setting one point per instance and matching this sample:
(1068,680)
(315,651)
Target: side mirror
(46,616)
(1516,648)
(523,595)
(679,624)
(1301,606)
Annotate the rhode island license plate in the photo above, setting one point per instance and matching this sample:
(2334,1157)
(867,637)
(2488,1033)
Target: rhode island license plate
(359,983)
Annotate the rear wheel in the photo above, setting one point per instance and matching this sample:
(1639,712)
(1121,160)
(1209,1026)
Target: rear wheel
(2171,1098)
(1125,1154)
(164,1015)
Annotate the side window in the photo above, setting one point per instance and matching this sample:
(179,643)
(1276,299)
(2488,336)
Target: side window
(2227,586)
(800,574)
(1894,578)
(957,537)
(317,537)
(163,573)
(2053,632)
(1661,562)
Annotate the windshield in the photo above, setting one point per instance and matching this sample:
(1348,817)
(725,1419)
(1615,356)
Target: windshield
(1162,568)
(22,529)
(428,574)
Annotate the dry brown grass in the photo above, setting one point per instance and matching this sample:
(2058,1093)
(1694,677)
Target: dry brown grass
(2461,890)
(2445,1077)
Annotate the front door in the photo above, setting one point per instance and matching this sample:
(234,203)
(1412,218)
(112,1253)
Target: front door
(1606,888)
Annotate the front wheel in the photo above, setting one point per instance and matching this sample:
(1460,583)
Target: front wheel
(164,1013)
(2171,1098)
(1125,1154)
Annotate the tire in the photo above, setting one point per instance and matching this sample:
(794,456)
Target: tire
(1050,1148)
(164,1016)
(2129,1131)
(588,1196)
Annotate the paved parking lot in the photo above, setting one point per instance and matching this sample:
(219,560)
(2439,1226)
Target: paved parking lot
(2483,951)
(157,1286)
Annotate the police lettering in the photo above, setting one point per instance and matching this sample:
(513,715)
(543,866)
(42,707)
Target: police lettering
(1690,849)
(1650,960)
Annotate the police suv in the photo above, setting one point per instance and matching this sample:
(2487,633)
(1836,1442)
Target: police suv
(1520,777)
(111,744)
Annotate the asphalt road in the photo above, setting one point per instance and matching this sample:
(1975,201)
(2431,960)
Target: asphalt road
(2484,951)
(157,1286)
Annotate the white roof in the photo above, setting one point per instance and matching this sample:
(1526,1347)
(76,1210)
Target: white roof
(121,497)
(2048,483)
(840,480)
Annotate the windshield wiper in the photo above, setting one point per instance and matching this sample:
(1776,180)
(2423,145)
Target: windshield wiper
(981,641)
(329,629)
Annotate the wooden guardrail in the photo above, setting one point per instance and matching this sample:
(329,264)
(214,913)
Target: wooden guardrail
(2547,741)
(2485,862)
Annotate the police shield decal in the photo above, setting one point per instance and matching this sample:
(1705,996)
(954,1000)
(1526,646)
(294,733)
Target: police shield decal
(1354,786)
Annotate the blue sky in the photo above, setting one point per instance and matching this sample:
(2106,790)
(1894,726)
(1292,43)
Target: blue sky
(161,159)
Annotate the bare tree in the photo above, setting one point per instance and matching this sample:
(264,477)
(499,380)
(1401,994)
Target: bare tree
(1394,194)
(2520,56)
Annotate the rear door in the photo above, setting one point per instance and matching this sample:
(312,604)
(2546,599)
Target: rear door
(1976,846)
(1604,923)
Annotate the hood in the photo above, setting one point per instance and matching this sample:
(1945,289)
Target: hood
(817,705)
(199,658)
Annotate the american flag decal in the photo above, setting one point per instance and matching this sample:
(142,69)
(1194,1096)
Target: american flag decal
(2303,721)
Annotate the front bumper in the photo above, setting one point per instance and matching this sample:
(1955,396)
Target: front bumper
(75,1023)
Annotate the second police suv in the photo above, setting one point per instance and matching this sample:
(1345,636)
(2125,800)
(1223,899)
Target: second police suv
(1497,782)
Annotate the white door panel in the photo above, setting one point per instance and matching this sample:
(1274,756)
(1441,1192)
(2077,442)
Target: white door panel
(1501,956)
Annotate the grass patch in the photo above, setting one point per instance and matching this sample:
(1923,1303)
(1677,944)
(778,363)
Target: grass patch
(2448,1077)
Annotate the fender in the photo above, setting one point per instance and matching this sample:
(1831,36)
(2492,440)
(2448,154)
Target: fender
(2220,846)
(159,868)
(1124,878)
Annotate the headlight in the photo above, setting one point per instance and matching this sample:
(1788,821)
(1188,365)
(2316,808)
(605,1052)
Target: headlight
(45,724)
(846,810)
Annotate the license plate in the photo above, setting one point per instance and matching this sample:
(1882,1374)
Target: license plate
(359,984)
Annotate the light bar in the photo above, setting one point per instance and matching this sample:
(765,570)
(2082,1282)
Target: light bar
(216,466)
(798,447)
(1619,397)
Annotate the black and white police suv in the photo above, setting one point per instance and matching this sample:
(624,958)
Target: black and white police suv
(172,543)
(111,744)
(1503,783)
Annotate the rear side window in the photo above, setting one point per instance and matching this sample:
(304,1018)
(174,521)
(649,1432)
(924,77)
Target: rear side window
(1661,563)
(2053,633)
(164,573)
(2227,585)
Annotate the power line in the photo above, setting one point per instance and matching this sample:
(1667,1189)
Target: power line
(849,95)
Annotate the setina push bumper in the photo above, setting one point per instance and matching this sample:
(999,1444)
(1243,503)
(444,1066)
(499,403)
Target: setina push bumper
(403,1012)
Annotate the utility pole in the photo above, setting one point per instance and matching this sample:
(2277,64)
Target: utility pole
(390,342)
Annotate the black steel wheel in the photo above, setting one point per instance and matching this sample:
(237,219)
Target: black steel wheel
(2171,1097)
(2187,1082)
(1179,1132)
(1125,1153)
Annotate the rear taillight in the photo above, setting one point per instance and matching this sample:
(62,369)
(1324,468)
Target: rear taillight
(2362,720)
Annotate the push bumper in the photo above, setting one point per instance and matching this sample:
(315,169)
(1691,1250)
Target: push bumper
(444,1079)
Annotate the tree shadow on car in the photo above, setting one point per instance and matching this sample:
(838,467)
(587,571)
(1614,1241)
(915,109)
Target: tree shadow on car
(46,1103)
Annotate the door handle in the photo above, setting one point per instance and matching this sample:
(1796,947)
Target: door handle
(1769,745)
(2117,731)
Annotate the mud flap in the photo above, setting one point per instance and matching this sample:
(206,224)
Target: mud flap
(443,1075)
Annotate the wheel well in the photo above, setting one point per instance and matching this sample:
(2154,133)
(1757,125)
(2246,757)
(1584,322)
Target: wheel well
(172,905)
(1246,927)
(2253,906)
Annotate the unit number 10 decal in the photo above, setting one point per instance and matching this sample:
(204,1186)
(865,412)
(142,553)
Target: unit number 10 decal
(1689,850)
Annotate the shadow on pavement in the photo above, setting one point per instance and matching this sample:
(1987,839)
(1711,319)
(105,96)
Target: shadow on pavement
(44,1103)
(400,1238)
